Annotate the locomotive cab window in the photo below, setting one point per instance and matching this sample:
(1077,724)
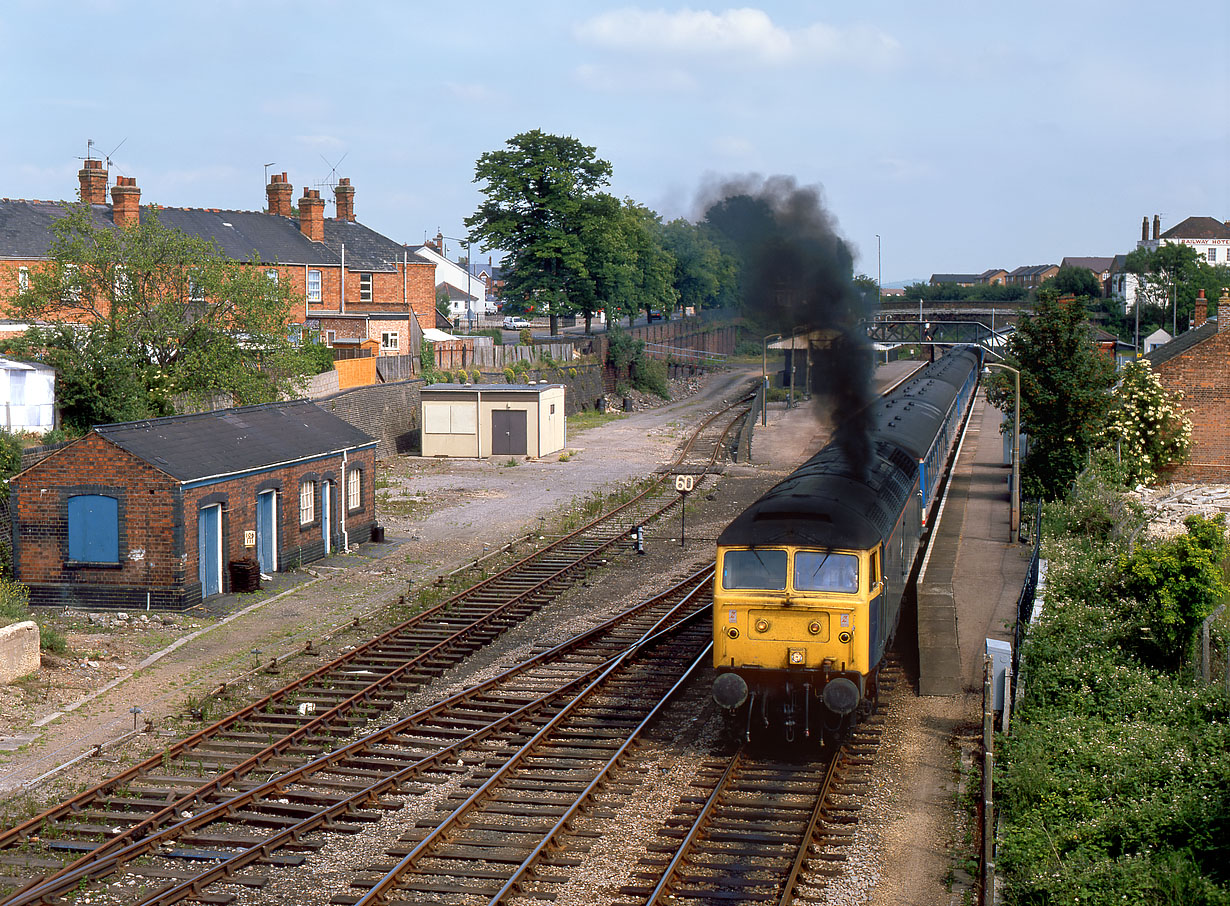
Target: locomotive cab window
(825,571)
(876,575)
(763,569)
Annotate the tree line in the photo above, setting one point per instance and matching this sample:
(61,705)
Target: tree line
(573,249)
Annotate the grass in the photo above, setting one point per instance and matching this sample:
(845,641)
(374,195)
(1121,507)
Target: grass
(591,418)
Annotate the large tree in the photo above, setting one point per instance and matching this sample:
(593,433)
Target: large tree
(1065,384)
(135,317)
(541,196)
(705,276)
(1071,280)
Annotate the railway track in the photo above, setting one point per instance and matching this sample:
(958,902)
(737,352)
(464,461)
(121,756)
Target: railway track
(124,817)
(276,822)
(760,828)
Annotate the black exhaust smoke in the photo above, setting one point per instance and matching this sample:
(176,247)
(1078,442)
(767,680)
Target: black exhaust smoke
(797,274)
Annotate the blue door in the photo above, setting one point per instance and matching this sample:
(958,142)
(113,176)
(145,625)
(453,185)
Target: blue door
(209,549)
(326,514)
(266,531)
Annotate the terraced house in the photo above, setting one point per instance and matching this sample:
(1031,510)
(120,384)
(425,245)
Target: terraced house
(360,288)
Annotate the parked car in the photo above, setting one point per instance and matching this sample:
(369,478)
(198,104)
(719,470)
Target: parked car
(654,315)
(515,322)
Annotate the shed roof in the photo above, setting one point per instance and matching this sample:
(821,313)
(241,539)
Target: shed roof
(490,388)
(232,441)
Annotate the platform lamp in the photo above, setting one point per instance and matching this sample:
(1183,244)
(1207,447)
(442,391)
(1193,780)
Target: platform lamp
(764,374)
(1014,517)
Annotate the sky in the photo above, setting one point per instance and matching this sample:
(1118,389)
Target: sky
(946,136)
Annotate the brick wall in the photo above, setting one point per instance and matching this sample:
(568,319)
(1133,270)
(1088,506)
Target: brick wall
(1202,373)
(158,564)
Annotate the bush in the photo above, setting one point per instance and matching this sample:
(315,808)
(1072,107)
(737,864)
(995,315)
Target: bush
(1115,783)
(510,376)
(10,455)
(526,336)
(476,376)
(649,375)
(15,607)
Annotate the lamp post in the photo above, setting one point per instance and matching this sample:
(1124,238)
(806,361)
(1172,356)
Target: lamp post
(1014,517)
(471,318)
(879,274)
(764,375)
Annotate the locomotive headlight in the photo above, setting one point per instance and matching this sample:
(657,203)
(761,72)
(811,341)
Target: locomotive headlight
(796,656)
(844,637)
(732,632)
(762,625)
(813,627)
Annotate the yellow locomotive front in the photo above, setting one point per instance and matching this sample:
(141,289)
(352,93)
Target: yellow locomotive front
(792,624)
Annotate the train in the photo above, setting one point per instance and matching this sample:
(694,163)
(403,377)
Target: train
(811,577)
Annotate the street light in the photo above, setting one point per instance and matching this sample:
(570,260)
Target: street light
(471,318)
(1014,517)
(879,275)
(764,375)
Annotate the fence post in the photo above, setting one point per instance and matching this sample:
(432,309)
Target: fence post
(988,766)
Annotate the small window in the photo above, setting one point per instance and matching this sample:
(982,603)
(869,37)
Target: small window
(23,279)
(313,286)
(1212,254)
(272,276)
(307,502)
(389,340)
(330,337)
(196,292)
(354,489)
(93,529)
(365,287)
(762,569)
(825,571)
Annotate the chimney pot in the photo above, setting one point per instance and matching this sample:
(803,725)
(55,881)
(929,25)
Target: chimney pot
(312,215)
(343,195)
(125,201)
(93,179)
(278,195)
(1202,310)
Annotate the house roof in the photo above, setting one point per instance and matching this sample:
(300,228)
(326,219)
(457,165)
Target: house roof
(954,278)
(1198,228)
(1182,343)
(1026,270)
(1096,264)
(25,231)
(190,448)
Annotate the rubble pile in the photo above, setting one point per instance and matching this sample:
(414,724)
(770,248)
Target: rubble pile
(1168,506)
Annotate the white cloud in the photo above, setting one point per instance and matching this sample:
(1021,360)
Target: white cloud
(747,35)
(651,80)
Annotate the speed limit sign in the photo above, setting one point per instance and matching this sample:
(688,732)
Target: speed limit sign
(684,483)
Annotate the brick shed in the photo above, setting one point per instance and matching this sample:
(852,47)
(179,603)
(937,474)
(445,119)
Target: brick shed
(153,514)
(1197,362)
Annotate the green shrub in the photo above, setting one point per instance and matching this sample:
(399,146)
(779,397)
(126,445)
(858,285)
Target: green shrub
(15,607)
(572,372)
(526,336)
(650,376)
(10,455)
(476,376)
(1115,783)
(510,376)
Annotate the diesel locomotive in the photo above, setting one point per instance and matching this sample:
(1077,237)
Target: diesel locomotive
(810,577)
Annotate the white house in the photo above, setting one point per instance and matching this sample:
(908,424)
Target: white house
(1158,338)
(467,292)
(28,392)
(1207,235)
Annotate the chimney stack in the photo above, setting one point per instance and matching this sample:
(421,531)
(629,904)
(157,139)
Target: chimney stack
(125,201)
(1202,310)
(93,182)
(1157,226)
(278,193)
(1144,228)
(343,194)
(1223,310)
(312,215)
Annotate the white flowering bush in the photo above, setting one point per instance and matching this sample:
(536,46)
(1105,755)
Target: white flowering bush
(1147,427)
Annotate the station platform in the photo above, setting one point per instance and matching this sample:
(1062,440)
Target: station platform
(972,574)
